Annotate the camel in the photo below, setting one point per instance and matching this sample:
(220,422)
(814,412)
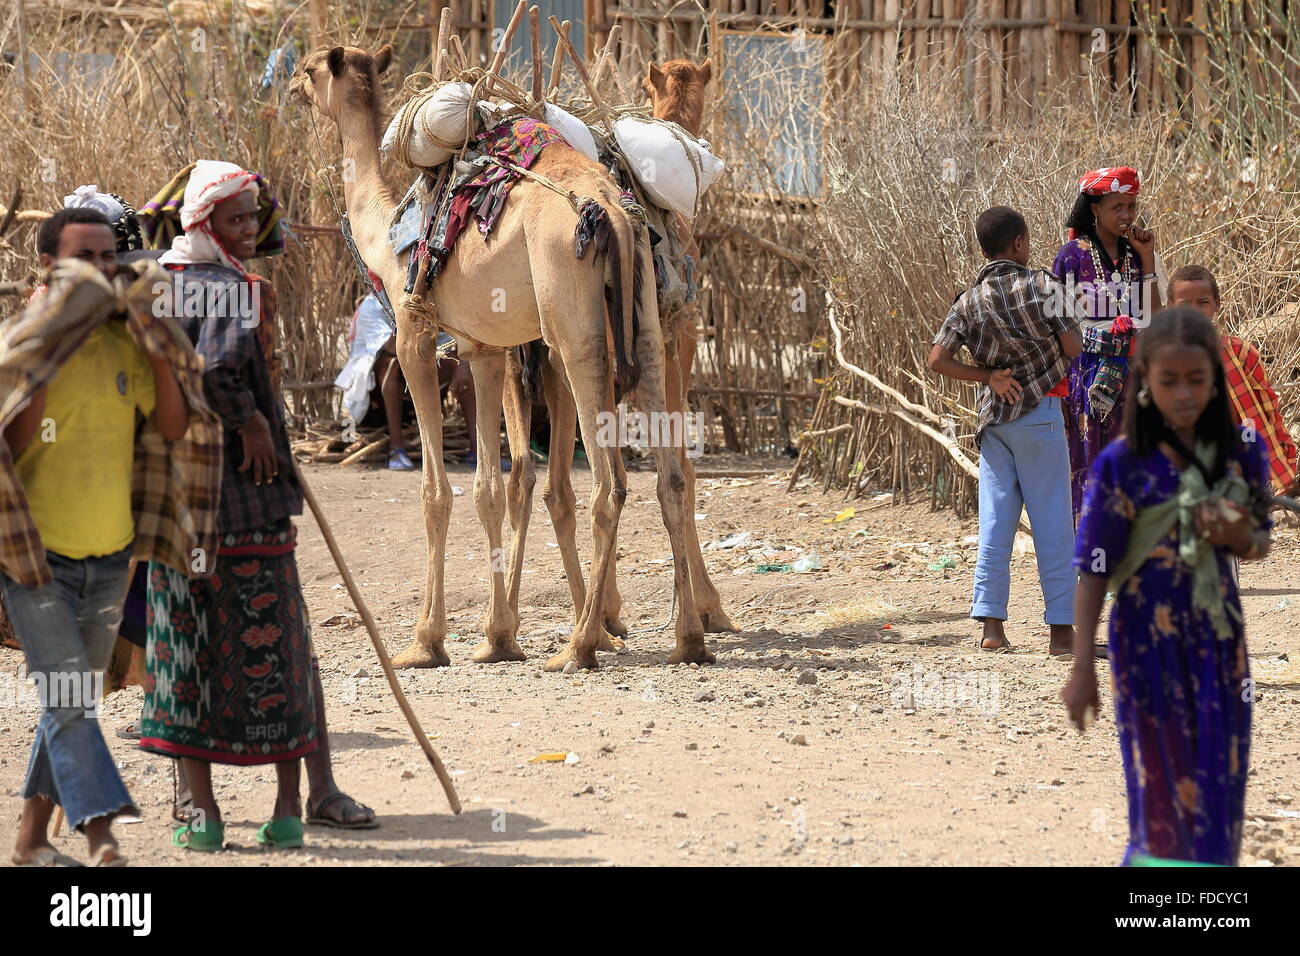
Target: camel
(677,94)
(530,265)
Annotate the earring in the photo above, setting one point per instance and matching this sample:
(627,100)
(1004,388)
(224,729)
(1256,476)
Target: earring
(1144,395)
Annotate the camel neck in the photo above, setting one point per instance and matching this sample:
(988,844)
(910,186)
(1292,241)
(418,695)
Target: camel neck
(368,198)
(683,111)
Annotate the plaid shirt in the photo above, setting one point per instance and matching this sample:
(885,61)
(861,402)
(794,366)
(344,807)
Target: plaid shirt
(1005,321)
(174,484)
(237,382)
(1253,399)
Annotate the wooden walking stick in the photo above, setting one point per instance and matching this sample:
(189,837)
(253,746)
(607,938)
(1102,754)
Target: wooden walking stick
(384,661)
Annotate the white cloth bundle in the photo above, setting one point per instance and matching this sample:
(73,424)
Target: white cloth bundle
(575,132)
(437,126)
(672,166)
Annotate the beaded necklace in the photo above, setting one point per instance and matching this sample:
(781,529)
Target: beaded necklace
(1120,277)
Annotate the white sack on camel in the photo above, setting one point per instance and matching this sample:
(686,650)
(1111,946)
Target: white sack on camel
(672,166)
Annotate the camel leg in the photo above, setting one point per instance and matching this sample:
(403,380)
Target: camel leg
(589,375)
(678,511)
(558,491)
(523,477)
(500,622)
(435,495)
(707,600)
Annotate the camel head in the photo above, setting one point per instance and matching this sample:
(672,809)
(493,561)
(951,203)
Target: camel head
(329,80)
(676,91)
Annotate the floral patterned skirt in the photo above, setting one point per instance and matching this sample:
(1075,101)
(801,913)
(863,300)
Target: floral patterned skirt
(1183,711)
(229,656)
(1085,434)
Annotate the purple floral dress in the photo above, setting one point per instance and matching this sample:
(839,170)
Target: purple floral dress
(1181,692)
(1086,433)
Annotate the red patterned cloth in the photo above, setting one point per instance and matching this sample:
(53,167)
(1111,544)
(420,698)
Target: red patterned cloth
(1110,179)
(1253,399)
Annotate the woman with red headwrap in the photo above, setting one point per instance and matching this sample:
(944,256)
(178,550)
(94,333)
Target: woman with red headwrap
(1108,266)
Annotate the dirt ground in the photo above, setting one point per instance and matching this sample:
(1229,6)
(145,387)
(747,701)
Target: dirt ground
(910,748)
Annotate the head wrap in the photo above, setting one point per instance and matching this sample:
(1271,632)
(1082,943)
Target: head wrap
(116,209)
(161,217)
(1110,179)
(209,183)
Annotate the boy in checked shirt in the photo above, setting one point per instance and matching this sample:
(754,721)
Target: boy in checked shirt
(1021,332)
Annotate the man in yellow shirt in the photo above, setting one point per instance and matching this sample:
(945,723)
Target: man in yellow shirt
(73,450)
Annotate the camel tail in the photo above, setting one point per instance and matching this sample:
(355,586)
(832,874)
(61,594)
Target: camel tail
(623,290)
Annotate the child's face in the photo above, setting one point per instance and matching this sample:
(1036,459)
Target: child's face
(1115,212)
(1197,294)
(1181,379)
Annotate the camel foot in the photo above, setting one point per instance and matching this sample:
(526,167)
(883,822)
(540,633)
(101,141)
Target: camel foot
(608,642)
(419,655)
(717,622)
(493,653)
(691,654)
(614,625)
(557,662)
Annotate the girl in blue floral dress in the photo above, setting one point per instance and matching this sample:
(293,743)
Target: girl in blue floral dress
(1166,507)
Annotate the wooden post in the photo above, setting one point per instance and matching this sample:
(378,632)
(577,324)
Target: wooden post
(1123,82)
(319,24)
(24,76)
(1201,65)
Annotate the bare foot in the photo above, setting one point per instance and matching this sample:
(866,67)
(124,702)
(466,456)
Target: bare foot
(690,652)
(419,655)
(493,652)
(995,637)
(1061,640)
(571,653)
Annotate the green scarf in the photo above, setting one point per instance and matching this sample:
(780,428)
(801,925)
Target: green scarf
(1155,521)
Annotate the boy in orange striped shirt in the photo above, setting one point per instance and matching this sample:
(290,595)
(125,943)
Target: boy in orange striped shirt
(1251,396)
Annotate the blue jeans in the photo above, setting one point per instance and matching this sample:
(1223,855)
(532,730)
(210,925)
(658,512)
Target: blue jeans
(1026,462)
(67,629)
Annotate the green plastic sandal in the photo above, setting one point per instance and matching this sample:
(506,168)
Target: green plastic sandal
(281,832)
(210,838)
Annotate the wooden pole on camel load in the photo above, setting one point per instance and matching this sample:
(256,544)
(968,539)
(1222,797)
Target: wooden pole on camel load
(535,37)
(503,49)
(557,61)
(607,55)
(440,44)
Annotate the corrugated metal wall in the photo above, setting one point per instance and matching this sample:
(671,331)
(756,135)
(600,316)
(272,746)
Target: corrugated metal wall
(520,55)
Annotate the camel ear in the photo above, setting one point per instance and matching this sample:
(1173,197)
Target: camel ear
(383,58)
(335,60)
(705,72)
